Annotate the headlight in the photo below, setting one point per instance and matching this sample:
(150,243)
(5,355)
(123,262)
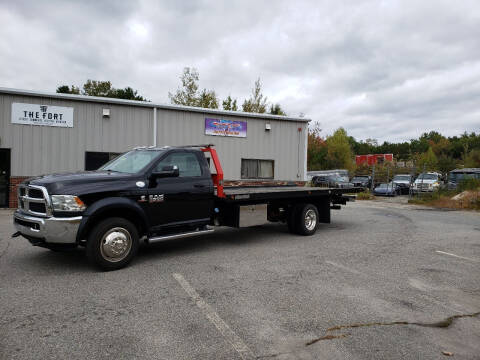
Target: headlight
(67,203)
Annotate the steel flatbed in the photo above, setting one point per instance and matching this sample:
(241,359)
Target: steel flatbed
(244,194)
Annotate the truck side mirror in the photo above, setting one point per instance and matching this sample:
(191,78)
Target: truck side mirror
(167,171)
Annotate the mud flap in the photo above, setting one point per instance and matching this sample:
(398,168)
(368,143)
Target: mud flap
(323,208)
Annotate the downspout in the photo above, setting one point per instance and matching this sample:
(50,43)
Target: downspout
(155,126)
(305,154)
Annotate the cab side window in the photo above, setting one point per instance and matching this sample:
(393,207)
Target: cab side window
(187,164)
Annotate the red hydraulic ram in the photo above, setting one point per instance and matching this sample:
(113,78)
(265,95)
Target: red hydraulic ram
(218,177)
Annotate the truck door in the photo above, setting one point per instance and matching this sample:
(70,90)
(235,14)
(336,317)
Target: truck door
(183,199)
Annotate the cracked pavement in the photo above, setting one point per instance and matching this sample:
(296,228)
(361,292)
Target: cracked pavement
(376,263)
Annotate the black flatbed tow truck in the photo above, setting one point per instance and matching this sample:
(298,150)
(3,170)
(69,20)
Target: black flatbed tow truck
(154,194)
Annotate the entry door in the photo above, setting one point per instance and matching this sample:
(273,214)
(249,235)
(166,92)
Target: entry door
(4,176)
(184,199)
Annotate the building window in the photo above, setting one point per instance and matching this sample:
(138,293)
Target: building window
(94,159)
(257,169)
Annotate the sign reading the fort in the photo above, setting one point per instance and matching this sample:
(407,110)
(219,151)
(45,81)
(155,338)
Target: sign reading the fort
(46,115)
(222,127)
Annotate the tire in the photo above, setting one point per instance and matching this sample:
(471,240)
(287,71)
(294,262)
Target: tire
(112,243)
(306,219)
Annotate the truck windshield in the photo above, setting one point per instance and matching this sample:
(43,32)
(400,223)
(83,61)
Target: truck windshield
(427,177)
(132,161)
(402,177)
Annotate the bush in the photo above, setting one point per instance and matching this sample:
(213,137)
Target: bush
(468,184)
(428,197)
(365,195)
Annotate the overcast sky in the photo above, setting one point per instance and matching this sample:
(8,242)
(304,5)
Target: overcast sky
(388,70)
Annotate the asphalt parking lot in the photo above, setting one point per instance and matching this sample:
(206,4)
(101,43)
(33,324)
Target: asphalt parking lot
(390,281)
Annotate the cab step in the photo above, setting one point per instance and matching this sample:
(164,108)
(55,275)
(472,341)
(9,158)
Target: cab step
(155,239)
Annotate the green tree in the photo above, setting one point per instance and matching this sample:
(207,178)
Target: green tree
(128,93)
(102,89)
(472,160)
(316,150)
(446,164)
(98,88)
(207,99)
(257,103)
(188,93)
(275,109)
(428,161)
(339,152)
(65,89)
(230,104)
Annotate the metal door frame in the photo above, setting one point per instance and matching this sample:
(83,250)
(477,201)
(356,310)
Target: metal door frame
(9,168)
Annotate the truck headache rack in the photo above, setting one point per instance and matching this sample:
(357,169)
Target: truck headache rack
(218,177)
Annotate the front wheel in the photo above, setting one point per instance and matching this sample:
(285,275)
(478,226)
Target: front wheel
(113,243)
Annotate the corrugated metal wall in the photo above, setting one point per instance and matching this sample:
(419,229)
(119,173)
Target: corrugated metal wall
(283,143)
(41,149)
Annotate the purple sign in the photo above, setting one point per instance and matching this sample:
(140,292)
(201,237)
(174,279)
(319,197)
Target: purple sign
(220,127)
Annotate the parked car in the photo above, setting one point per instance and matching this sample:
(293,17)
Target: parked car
(403,181)
(333,181)
(337,172)
(321,181)
(364,181)
(426,182)
(458,175)
(387,189)
(341,182)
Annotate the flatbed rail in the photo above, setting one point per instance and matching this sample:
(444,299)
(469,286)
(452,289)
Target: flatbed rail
(285,192)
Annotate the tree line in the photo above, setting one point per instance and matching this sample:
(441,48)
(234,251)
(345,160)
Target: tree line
(188,94)
(101,89)
(432,150)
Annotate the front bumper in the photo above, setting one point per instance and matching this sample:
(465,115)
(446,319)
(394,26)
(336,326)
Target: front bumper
(50,229)
(423,190)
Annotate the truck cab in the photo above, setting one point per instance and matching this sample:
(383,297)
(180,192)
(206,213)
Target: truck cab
(157,190)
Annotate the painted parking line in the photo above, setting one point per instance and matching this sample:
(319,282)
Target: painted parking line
(457,256)
(237,343)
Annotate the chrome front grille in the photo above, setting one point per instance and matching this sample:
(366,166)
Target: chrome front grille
(424,186)
(34,200)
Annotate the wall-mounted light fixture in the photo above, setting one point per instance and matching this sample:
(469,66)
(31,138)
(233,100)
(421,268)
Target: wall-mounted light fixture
(268,127)
(106,113)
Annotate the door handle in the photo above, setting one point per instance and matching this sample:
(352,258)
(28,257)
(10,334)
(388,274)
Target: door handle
(199,185)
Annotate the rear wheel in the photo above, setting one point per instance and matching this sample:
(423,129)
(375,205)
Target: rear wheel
(306,219)
(113,243)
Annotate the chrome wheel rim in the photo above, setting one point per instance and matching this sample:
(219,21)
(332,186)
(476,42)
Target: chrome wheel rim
(310,219)
(116,244)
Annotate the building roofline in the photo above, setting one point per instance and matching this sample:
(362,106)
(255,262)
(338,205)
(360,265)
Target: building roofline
(147,104)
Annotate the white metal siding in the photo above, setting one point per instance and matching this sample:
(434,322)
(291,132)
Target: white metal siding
(283,143)
(40,149)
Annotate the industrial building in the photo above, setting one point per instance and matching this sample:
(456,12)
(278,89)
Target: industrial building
(43,133)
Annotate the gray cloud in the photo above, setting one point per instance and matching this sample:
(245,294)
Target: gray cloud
(383,69)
